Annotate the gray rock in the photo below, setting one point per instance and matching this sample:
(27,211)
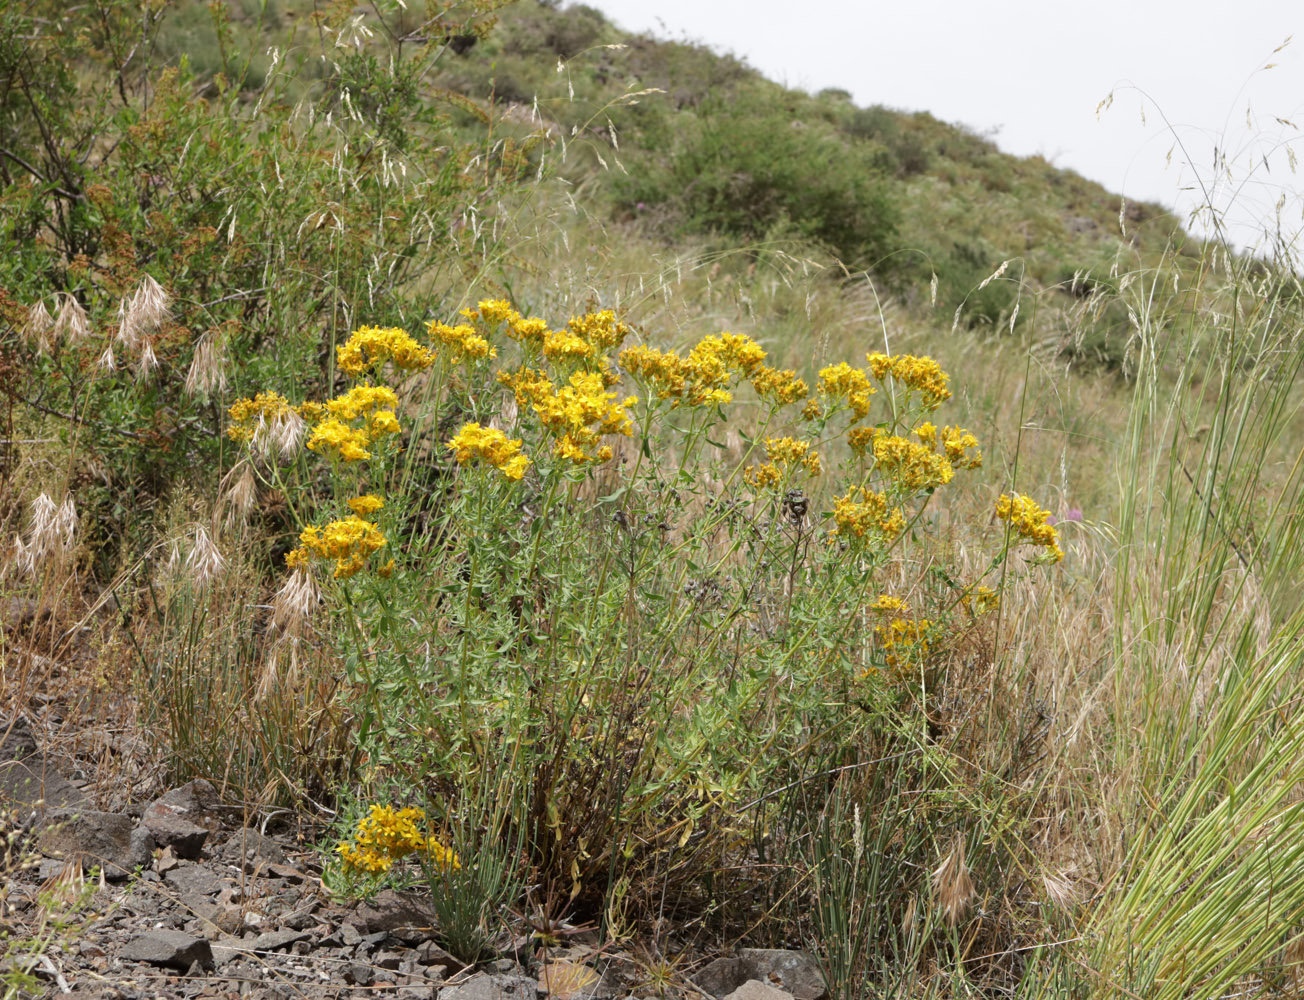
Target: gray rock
(194,880)
(486,987)
(250,845)
(225,954)
(754,989)
(27,780)
(721,977)
(271,940)
(216,919)
(184,817)
(300,920)
(391,910)
(171,948)
(110,840)
(350,935)
(792,971)
(429,953)
(358,975)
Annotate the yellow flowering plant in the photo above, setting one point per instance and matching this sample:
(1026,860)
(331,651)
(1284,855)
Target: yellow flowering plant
(563,590)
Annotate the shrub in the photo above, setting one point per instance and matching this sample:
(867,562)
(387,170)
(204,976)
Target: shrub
(186,243)
(749,169)
(619,631)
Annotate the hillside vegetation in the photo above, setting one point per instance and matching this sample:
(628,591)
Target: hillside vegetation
(590,483)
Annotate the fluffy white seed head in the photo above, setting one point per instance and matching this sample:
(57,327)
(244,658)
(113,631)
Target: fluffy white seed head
(280,436)
(128,334)
(149,307)
(207,373)
(241,495)
(952,885)
(148,360)
(295,602)
(205,560)
(51,530)
(106,362)
(71,324)
(38,328)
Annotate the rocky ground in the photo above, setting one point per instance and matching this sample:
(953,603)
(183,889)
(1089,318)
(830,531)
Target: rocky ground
(181,898)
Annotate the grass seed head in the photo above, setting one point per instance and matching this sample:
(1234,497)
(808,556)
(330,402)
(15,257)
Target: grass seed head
(205,560)
(38,328)
(207,373)
(71,324)
(149,307)
(952,885)
(147,363)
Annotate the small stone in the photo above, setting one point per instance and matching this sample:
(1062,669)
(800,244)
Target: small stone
(249,844)
(191,879)
(299,920)
(349,935)
(291,874)
(272,940)
(793,971)
(721,977)
(224,954)
(390,910)
(429,953)
(358,975)
(171,827)
(754,989)
(174,949)
(486,987)
(110,840)
(50,869)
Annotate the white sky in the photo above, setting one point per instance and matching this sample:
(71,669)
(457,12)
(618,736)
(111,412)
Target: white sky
(1035,70)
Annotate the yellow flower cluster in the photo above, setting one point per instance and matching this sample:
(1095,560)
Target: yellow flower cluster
(493,311)
(841,381)
(386,835)
(862,438)
(495,447)
(779,387)
(460,341)
(1029,521)
(365,506)
(496,311)
(247,414)
(980,600)
(601,329)
(349,542)
(369,347)
(862,511)
(890,602)
(784,454)
(703,377)
(922,374)
(901,638)
(334,434)
(337,440)
(957,443)
(562,345)
(912,466)
(577,414)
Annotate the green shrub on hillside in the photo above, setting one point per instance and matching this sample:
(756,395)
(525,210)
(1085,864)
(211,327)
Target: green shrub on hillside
(259,222)
(747,168)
